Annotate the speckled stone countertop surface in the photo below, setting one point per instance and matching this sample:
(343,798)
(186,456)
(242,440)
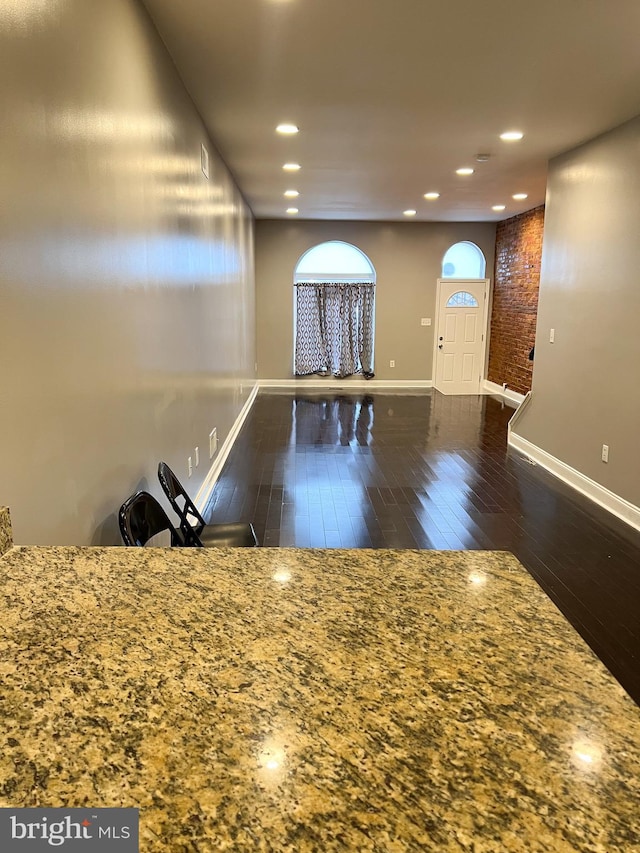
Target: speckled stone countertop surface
(6,536)
(296,700)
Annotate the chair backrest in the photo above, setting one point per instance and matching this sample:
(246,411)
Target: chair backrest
(142,517)
(191,522)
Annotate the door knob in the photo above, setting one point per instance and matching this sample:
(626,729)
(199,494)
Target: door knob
(439,346)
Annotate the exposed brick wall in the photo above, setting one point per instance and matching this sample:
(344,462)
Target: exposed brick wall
(515,299)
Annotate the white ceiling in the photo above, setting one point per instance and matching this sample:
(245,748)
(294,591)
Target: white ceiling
(392,97)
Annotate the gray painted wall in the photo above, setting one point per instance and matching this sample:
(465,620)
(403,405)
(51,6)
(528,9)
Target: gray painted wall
(127,322)
(407,257)
(585,385)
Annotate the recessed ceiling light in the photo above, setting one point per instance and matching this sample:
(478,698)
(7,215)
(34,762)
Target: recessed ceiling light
(291,193)
(511,135)
(287,129)
(409,212)
(291,167)
(432,196)
(498,207)
(519,196)
(292,210)
(464,171)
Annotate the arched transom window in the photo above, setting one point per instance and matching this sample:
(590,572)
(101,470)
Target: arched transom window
(334,261)
(463,260)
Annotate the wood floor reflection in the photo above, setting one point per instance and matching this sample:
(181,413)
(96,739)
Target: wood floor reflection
(381,470)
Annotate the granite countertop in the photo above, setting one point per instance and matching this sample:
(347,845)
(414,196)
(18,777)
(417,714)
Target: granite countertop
(295,701)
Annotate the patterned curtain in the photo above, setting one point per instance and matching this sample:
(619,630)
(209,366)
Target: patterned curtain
(334,328)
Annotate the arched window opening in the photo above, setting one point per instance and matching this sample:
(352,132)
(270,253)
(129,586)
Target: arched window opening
(334,261)
(334,303)
(463,260)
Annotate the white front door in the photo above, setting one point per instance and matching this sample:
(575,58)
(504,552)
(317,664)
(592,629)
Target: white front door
(460,335)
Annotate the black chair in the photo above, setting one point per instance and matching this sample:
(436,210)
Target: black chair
(142,517)
(194,529)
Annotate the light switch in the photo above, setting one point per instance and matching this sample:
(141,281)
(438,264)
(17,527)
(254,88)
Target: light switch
(552,335)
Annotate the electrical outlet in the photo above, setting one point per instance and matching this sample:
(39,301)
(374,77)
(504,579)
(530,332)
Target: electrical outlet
(605,452)
(392,363)
(425,321)
(189,466)
(213,442)
(197,455)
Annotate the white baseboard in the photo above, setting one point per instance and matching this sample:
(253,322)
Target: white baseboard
(519,412)
(204,492)
(616,505)
(503,391)
(330,383)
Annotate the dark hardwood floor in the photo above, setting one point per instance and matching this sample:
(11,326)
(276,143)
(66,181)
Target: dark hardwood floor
(382,470)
